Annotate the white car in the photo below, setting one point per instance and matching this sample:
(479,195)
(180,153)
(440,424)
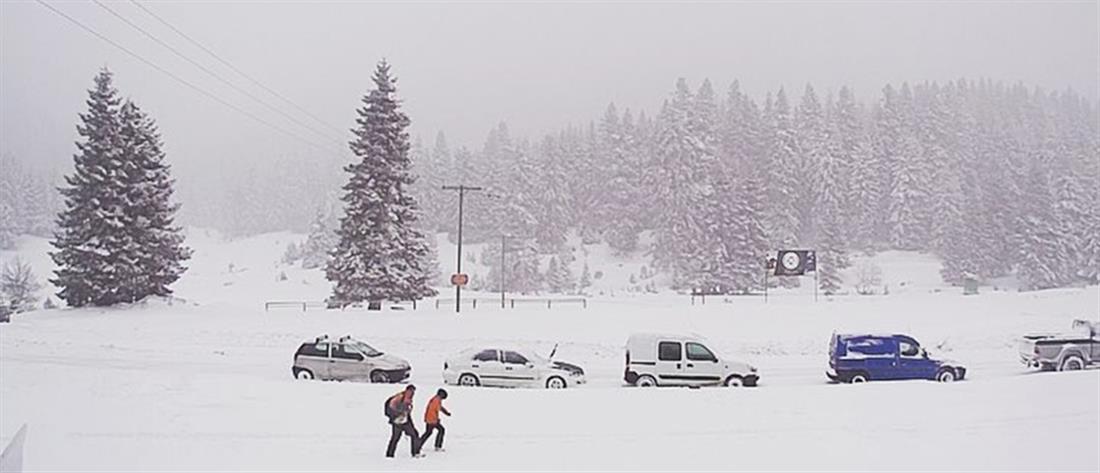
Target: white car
(510,368)
(681,360)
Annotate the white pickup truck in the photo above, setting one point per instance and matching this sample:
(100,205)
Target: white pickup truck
(1063,352)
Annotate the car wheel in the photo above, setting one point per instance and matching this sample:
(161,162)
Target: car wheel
(303,374)
(468,380)
(734,381)
(858,378)
(379,377)
(646,381)
(555,382)
(946,375)
(1072,363)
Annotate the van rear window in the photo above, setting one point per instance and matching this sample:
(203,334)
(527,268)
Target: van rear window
(869,346)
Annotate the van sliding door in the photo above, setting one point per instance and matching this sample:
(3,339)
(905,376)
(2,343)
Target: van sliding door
(670,363)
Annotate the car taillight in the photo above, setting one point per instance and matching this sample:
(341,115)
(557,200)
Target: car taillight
(1036,349)
(445,365)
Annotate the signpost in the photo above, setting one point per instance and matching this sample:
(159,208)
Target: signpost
(462,189)
(791,263)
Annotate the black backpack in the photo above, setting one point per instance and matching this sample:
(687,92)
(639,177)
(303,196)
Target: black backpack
(386,408)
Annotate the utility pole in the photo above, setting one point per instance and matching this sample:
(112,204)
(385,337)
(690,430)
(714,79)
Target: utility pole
(462,189)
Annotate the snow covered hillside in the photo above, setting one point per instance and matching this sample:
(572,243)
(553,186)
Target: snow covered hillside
(203,382)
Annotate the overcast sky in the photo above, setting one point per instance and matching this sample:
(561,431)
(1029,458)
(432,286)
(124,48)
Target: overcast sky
(464,67)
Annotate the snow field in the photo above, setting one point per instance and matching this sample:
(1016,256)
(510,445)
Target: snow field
(205,384)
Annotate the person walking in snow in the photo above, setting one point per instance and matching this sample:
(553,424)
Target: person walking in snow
(431,418)
(399,410)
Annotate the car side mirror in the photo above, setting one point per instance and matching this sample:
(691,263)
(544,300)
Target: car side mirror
(924,353)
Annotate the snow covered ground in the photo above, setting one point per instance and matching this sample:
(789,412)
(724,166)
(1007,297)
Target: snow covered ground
(203,382)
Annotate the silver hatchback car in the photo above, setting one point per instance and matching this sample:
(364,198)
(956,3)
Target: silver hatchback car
(347,359)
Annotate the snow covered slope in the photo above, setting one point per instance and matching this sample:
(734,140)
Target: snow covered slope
(205,384)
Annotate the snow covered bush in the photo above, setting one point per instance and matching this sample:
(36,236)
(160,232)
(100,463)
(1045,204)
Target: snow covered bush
(868,277)
(18,286)
(292,254)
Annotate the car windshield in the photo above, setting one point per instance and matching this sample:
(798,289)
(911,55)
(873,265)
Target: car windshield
(366,349)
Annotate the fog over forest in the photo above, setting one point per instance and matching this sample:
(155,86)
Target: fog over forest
(597,119)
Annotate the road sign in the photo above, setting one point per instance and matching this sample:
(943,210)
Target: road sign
(460,279)
(796,262)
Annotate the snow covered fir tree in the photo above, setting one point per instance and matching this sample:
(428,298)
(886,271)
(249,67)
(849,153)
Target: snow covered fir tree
(380,253)
(116,239)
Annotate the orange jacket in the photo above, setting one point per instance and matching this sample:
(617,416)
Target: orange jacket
(431,414)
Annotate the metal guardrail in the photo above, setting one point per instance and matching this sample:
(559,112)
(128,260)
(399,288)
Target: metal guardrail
(306,305)
(511,303)
(472,302)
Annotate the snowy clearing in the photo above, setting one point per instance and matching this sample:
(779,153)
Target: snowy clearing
(205,384)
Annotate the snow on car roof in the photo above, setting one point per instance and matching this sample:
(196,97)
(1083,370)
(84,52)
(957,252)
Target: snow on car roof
(871,335)
(472,350)
(649,335)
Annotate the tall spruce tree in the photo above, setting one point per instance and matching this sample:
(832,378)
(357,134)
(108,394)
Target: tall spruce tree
(833,211)
(7,226)
(812,149)
(739,208)
(441,206)
(320,241)
(622,191)
(380,252)
(551,214)
(683,180)
(559,278)
(1040,255)
(160,251)
(900,149)
(116,240)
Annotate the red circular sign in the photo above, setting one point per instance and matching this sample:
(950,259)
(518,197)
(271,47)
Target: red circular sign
(459,279)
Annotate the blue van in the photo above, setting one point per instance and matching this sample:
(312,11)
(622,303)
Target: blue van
(862,358)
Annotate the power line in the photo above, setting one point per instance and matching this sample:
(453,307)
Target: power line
(179,79)
(209,72)
(235,68)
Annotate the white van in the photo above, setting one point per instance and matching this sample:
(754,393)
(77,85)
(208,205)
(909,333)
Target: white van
(681,360)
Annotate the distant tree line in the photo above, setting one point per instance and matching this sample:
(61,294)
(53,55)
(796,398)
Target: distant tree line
(994,179)
(28,202)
